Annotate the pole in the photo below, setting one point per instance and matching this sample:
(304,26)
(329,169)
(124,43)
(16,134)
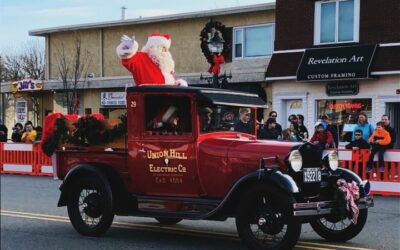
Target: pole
(215,81)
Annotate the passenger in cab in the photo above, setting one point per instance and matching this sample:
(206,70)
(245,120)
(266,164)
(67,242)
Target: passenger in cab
(244,125)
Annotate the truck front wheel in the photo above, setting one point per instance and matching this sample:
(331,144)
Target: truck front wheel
(90,205)
(339,229)
(264,219)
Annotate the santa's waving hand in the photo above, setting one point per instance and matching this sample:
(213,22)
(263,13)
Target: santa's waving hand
(152,65)
(128,47)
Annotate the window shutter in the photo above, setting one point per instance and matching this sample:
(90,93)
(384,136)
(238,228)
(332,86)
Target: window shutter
(228,44)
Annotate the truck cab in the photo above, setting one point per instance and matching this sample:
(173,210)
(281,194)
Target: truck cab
(193,153)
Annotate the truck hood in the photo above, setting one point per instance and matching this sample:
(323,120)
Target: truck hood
(243,148)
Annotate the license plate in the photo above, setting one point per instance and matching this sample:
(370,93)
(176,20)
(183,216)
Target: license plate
(311,175)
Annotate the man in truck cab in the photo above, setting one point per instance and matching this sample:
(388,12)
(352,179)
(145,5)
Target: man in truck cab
(244,125)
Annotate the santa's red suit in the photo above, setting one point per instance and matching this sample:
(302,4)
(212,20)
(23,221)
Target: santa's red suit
(152,65)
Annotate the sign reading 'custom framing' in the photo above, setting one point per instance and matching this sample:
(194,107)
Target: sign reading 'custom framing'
(339,63)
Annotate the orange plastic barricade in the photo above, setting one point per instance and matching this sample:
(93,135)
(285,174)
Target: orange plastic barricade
(43,163)
(23,158)
(17,158)
(385,183)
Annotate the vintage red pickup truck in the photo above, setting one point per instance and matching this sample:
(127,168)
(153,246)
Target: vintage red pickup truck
(184,160)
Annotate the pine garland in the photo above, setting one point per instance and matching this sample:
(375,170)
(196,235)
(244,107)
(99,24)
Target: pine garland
(89,131)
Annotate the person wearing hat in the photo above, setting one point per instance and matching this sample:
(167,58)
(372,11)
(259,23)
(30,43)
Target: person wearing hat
(244,125)
(322,138)
(153,64)
(330,128)
(166,120)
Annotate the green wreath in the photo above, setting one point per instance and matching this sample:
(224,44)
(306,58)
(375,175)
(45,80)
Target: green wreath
(218,26)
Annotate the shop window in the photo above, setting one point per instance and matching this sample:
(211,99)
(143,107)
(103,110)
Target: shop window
(343,113)
(253,41)
(336,21)
(168,115)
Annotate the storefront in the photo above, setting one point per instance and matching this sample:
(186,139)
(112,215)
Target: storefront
(340,83)
(25,101)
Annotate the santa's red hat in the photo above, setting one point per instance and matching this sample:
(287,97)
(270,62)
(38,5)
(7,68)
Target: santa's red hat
(163,116)
(156,39)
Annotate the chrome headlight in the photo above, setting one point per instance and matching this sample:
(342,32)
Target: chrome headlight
(333,160)
(295,160)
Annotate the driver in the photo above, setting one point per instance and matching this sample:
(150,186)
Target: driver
(244,125)
(205,120)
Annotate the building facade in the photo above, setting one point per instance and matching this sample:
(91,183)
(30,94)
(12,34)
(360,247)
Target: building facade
(336,58)
(251,29)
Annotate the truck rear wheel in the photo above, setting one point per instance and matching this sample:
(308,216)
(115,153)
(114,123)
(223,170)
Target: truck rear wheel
(265,219)
(90,206)
(168,221)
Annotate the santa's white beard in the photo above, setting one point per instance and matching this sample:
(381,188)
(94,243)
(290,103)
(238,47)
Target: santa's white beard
(164,61)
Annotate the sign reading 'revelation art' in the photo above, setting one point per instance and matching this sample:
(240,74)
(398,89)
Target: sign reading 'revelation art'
(351,62)
(342,88)
(113,98)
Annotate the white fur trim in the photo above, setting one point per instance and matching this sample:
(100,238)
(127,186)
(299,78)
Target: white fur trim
(168,113)
(181,82)
(127,53)
(159,41)
(169,78)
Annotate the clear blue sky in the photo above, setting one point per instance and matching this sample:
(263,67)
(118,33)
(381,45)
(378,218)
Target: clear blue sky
(17,17)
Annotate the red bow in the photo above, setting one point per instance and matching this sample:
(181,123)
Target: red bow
(217,61)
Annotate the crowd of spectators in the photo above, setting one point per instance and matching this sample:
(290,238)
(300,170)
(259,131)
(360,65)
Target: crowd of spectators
(27,133)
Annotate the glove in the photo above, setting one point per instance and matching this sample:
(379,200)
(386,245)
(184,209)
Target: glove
(127,42)
(127,47)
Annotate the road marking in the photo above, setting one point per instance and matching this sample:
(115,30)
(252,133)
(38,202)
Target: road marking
(183,231)
(313,248)
(336,246)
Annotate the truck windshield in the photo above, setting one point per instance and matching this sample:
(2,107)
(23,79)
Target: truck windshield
(226,118)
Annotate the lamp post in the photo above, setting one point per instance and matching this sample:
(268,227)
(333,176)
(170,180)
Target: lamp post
(214,47)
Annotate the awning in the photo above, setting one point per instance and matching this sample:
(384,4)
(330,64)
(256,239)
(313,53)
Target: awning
(336,63)
(232,98)
(284,65)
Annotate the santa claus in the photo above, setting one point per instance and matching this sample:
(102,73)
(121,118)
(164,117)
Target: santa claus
(153,64)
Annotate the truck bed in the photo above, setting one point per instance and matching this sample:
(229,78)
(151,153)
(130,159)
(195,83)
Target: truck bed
(71,157)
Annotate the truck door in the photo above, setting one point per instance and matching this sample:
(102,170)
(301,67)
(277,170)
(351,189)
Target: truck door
(165,163)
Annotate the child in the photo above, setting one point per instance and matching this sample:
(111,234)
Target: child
(359,142)
(321,138)
(379,139)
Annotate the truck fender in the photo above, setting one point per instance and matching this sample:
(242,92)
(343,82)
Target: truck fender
(268,176)
(348,175)
(80,169)
(284,181)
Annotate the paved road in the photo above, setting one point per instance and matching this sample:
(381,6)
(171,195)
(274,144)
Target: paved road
(30,219)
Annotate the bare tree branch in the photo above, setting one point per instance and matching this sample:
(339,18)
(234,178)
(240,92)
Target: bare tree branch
(73,70)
